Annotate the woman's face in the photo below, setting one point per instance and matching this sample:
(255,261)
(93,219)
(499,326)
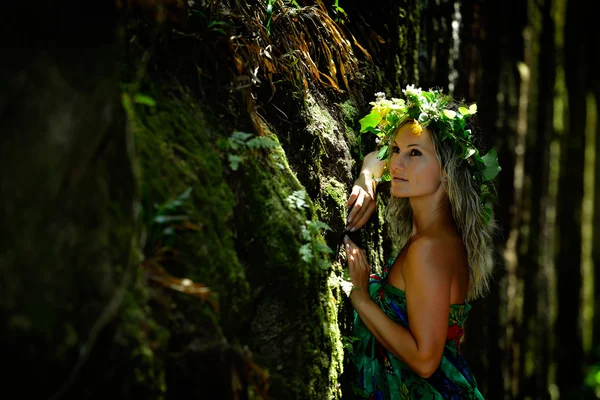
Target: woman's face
(414,167)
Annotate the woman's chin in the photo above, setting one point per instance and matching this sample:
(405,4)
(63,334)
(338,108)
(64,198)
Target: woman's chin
(399,194)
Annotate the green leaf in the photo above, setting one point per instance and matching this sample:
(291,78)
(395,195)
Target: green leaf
(262,143)
(470,152)
(450,114)
(186,194)
(297,199)
(373,130)
(243,136)
(323,264)
(234,161)
(323,248)
(487,214)
(485,194)
(306,252)
(163,219)
(305,233)
(145,100)
(463,110)
(383,152)
(316,225)
(370,120)
(492,168)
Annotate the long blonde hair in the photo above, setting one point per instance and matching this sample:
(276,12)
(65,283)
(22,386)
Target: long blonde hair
(466,206)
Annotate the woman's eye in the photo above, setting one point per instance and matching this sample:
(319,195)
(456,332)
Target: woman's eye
(395,149)
(415,152)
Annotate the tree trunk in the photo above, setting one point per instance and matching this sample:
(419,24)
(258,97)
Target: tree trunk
(69,203)
(568,261)
(535,351)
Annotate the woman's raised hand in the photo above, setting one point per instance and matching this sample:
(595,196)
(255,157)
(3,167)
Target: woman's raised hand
(363,196)
(363,203)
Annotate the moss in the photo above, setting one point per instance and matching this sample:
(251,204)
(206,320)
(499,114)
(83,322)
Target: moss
(350,117)
(175,142)
(293,326)
(146,341)
(177,151)
(270,299)
(320,120)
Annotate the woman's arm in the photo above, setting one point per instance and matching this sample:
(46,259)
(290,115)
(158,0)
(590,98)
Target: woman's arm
(362,198)
(372,166)
(428,279)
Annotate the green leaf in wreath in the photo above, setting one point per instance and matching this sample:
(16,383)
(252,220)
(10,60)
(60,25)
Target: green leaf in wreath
(492,168)
(370,120)
(383,153)
(449,114)
(487,214)
(463,110)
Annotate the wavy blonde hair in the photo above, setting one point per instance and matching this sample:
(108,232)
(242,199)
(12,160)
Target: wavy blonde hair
(465,202)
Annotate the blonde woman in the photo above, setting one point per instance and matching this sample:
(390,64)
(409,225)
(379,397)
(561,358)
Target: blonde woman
(409,320)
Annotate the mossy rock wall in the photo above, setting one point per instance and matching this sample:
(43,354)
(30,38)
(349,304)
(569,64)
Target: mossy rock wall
(176,241)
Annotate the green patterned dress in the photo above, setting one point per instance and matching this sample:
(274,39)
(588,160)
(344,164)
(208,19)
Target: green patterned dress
(382,376)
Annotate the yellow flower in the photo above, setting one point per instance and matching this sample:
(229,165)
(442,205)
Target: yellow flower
(417,129)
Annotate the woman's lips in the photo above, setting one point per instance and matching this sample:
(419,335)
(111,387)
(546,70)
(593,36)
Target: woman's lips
(400,180)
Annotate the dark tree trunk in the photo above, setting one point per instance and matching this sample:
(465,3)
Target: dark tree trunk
(568,262)
(594,60)
(535,352)
(69,198)
(489,344)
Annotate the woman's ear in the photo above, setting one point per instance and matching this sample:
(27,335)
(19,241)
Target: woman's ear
(444,176)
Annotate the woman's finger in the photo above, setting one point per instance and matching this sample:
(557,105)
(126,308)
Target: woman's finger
(354,195)
(351,263)
(364,216)
(360,212)
(357,206)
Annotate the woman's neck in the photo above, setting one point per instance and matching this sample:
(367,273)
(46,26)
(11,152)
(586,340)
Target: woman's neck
(429,211)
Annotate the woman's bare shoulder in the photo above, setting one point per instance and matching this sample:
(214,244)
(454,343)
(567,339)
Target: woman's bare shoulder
(436,250)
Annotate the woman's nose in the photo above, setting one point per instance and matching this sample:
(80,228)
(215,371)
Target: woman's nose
(397,163)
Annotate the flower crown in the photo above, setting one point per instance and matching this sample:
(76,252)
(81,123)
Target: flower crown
(429,108)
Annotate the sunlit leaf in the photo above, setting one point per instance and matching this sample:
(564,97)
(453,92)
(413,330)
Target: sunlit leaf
(450,114)
(470,152)
(463,110)
(383,153)
(473,108)
(371,120)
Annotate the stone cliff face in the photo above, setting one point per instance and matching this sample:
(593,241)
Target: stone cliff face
(181,221)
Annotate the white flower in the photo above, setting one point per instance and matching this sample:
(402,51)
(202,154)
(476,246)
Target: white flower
(410,89)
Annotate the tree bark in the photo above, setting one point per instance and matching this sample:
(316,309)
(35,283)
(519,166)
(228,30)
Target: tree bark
(568,261)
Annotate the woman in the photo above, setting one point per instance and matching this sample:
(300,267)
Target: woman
(409,320)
